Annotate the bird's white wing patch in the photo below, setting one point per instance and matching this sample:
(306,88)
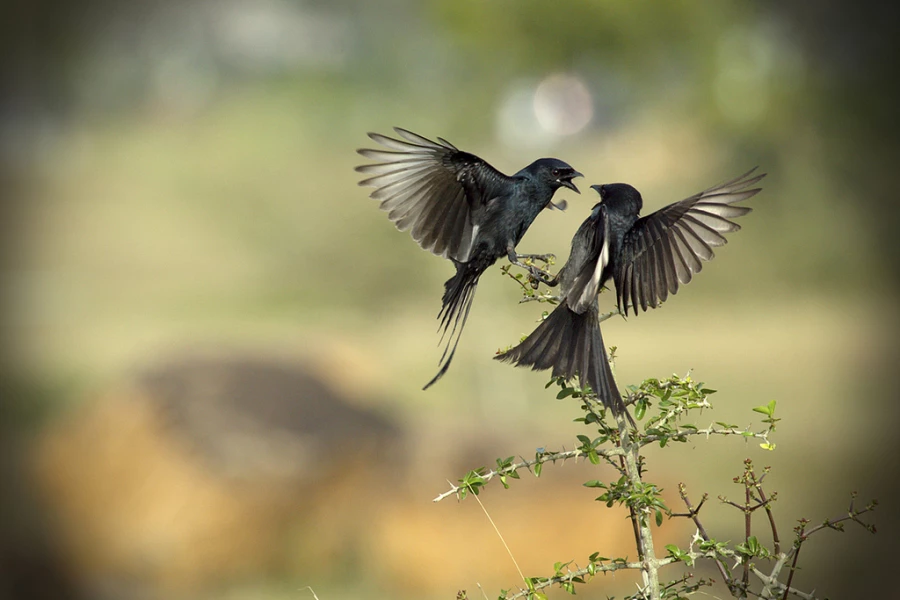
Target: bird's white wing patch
(468,243)
(590,291)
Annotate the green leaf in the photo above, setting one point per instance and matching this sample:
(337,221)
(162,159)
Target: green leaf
(767,446)
(768,409)
(565,393)
(659,518)
(537,469)
(640,409)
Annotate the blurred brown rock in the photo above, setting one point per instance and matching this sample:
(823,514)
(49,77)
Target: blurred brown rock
(207,470)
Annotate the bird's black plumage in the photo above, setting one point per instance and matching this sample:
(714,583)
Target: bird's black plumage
(458,206)
(647,258)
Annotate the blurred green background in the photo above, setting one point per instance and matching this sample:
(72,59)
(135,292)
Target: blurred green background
(179,199)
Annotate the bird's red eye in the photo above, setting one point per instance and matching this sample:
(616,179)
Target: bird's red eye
(555,172)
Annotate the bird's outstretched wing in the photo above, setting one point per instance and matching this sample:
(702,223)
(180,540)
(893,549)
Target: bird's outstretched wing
(665,248)
(432,189)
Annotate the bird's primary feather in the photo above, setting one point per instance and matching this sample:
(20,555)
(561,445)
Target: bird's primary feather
(664,249)
(432,189)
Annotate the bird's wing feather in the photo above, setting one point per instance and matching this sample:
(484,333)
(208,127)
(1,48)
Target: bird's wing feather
(583,292)
(432,189)
(664,249)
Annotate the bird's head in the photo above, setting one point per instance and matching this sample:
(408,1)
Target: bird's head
(620,194)
(554,173)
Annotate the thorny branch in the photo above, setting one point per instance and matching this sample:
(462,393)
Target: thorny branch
(543,457)
(692,513)
(587,572)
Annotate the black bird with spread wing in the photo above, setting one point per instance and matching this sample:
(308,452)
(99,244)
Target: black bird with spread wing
(458,206)
(646,257)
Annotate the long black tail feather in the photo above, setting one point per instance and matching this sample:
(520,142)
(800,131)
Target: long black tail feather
(571,345)
(459,292)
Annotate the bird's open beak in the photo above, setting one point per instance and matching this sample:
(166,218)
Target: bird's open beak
(567,182)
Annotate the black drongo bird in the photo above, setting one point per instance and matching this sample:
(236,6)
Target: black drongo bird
(458,206)
(647,258)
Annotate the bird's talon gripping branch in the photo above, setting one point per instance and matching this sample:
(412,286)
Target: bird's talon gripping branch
(539,276)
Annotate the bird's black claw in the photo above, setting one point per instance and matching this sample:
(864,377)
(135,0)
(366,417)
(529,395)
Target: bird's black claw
(539,276)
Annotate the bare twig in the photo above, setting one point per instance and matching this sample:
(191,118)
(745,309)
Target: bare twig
(748,516)
(545,297)
(787,586)
(693,514)
(608,315)
(767,503)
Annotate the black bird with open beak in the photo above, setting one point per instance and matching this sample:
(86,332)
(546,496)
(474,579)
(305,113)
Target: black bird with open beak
(458,206)
(646,257)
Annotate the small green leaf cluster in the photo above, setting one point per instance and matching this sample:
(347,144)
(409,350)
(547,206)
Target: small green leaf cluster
(565,577)
(472,481)
(674,398)
(505,468)
(643,497)
(679,554)
(751,548)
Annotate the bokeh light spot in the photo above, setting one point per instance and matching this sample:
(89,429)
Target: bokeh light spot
(563,104)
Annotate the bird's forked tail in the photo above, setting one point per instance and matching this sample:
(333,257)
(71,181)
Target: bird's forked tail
(570,344)
(459,291)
